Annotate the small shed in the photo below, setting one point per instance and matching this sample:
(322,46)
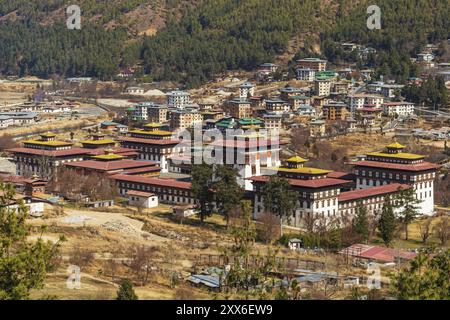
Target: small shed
(183,211)
(142,199)
(295,244)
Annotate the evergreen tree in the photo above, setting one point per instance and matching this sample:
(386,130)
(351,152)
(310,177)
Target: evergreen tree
(278,197)
(228,193)
(426,278)
(387,223)
(23,263)
(409,211)
(361,222)
(202,184)
(126,291)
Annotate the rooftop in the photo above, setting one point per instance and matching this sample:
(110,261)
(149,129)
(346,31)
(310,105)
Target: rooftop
(314,184)
(422,166)
(54,143)
(372,192)
(296,159)
(153,181)
(401,155)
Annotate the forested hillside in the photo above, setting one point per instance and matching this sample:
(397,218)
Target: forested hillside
(407,26)
(200,38)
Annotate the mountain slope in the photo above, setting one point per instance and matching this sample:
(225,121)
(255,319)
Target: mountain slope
(198,39)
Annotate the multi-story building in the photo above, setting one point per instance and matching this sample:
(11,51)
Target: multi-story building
(395,166)
(288,91)
(398,108)
(246,90)
(247,154)
(322,88)
(306,74)
(178,99)
(153,144)
(150,111)
(359,100)
(324,194)
(42,157)
(277,106)
(273,121)
(335,111)
(317,128)
(317,193)
(186,118)
(169,191)
(239,108)
(312,63)
(110,164)
(267,68)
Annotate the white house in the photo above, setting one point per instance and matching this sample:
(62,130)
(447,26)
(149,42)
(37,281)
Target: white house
(135,90)
(178,99)
(306,74)
(6,121)
(142,199)
(398,108)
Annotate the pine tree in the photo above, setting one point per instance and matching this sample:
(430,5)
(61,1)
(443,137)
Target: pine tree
(23,263)
(278,197)
(407,202)
(126,291)
(387,222)
(361,222)
(426,278)
(202,183)
(228,192)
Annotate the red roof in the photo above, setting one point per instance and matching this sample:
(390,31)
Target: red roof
(399,103)
(377,253)
(51,153)
(140,193)
(153,181)
(116,150)
(341,175)
(112,165)
(312,183)
(372,192)
(10,178)
(162,142)
(398,166)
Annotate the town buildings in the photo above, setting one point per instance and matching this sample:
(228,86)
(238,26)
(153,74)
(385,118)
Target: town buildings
(42,157)
(398,108)
(185,118)
(178,99)
(322,88)
(312,63)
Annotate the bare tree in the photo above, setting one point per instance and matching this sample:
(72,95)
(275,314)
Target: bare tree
(425,230)
(7,142)
(443,230)
(269,227)
(309,221)
(81,257)
(111,267)
(142,260)
(300,140)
